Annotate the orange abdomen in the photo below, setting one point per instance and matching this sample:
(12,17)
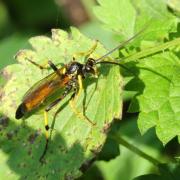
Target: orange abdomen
(38,96)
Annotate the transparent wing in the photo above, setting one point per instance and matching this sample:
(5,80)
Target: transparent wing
(51,80)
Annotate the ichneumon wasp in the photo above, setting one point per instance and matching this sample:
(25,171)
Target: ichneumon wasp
(68,79)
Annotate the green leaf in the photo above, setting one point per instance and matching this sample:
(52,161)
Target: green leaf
(158,96)
(167,172)
(109,151)
(126,17)
(125,165)
(74,141)
(117,15)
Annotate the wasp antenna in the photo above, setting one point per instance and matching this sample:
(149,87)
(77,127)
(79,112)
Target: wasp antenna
(120,45)
(118,64)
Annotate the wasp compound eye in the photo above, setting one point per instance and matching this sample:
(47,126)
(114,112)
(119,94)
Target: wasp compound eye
(91,62)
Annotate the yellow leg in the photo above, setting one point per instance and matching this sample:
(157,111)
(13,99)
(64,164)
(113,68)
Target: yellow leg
(80,85)
(79,114)
(47,65)
(46,124)
(72,103)
(41,159)
(89,52)
(43,66)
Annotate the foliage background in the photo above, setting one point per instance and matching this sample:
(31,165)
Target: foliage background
(20,20)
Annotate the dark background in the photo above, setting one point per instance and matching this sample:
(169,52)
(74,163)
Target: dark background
(22,19)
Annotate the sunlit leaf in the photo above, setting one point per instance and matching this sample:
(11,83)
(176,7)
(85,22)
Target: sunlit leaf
(74,140)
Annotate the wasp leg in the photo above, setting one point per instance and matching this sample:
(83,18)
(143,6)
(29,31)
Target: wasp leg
(85,104)
(91,50)
(88,53)
(79,114)
(46,65)
(74,98)
(46,135)
(54,67)
(68,88)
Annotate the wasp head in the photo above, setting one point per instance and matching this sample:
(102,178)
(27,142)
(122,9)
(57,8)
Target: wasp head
(90,67)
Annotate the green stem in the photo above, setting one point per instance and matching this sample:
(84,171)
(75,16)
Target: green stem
(149,51)
(134,149)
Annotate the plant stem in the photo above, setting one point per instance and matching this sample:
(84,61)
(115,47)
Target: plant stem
(152,50)
(134,149)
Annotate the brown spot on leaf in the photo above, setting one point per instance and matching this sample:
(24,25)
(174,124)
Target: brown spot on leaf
(68,177)
(106,128)
(96,150)
(19,53)
(10,135)
(4,121)
(5,74)
(33,137)
(30,152)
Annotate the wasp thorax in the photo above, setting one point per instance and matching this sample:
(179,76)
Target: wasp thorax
(74,68)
